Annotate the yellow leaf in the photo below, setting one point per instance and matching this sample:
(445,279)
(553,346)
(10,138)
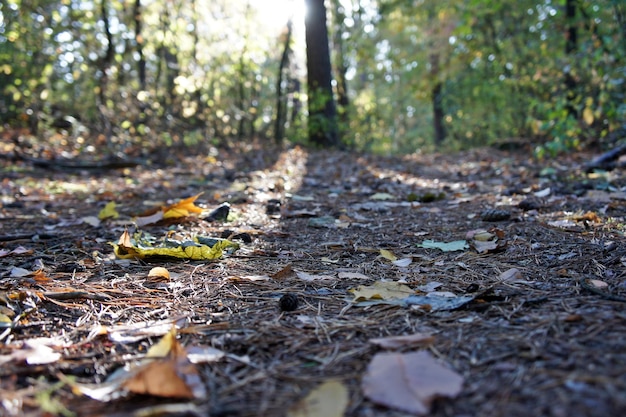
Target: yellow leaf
(108,211)
(186,250)
(183,208)
(329,399)
(386,290)
(387,254)
(164,346)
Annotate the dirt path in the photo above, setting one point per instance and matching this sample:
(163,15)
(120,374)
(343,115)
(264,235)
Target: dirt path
(534,331)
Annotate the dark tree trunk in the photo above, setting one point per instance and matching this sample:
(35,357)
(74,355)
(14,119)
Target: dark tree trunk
(438,114)
(107,59)
(281,111)
(322,122)
(437,98)
(104,67)
(141,62)
(571,45)
(341,66)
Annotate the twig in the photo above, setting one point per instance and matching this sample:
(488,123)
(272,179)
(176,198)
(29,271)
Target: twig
(583,283)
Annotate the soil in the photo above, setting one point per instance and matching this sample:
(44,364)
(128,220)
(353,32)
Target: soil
(543,334)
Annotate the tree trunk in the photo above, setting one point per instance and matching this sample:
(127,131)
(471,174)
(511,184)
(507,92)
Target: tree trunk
(437,99)
(141,61)
(281,111)
(322,122)
(571,45)
(341,66)
(438,114)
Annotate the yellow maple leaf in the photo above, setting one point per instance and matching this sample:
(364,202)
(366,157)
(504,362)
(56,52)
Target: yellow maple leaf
(182,208)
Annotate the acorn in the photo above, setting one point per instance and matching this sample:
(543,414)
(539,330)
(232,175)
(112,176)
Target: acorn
(288,302)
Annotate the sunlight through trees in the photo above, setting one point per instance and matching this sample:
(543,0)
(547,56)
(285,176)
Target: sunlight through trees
(404,75)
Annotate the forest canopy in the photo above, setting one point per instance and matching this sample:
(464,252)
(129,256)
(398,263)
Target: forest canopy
(406,75)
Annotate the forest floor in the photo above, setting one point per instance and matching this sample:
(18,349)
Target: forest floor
(505,275)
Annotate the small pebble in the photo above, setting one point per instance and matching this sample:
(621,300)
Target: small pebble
(288,302)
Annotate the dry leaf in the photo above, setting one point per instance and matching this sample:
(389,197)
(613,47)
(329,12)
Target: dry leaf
(409,382)
(397,342)
(512,274)
(382,290)
(596,283)
(387,254)
(352,275)
(403,263)
(159,272)
(283,273)
(304,276)
(169,375)
(169,378)
(330,399)
(182,208)
(17,272)
(153,218)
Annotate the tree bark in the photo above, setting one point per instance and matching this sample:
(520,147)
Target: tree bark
(322,121)
(341,66)
(141,61)
(571,46)
(437,99)
(281,111)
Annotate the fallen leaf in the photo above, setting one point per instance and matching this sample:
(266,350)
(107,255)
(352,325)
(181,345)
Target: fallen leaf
(410,340)
(166,372)
(453,246)
(329,399)
(596,283)
(384,290)
(153,218)
(283,273)
(159,272)
(382,196)
(92,221)
(409,381)
(352,275)
(403,263)
(201,248)
(182,208)
(109,211)
(17,272)
(511,275)
(387,254)
(305,276)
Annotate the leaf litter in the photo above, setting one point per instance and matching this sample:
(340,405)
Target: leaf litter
(524,318)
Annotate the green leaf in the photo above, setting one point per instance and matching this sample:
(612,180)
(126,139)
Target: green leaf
(456,245)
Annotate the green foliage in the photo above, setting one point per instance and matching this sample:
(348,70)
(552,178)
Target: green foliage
(211,72)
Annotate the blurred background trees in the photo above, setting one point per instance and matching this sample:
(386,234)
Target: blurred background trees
(134,75)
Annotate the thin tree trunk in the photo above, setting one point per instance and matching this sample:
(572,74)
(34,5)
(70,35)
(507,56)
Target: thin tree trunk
(437,99)
(571,46)
(341,66)
(105,63)
(141,62)
(438,114)
(281,111)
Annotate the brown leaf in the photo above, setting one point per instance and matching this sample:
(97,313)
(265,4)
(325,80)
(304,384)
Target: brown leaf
(169,378)
(409,382)
(411,340)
